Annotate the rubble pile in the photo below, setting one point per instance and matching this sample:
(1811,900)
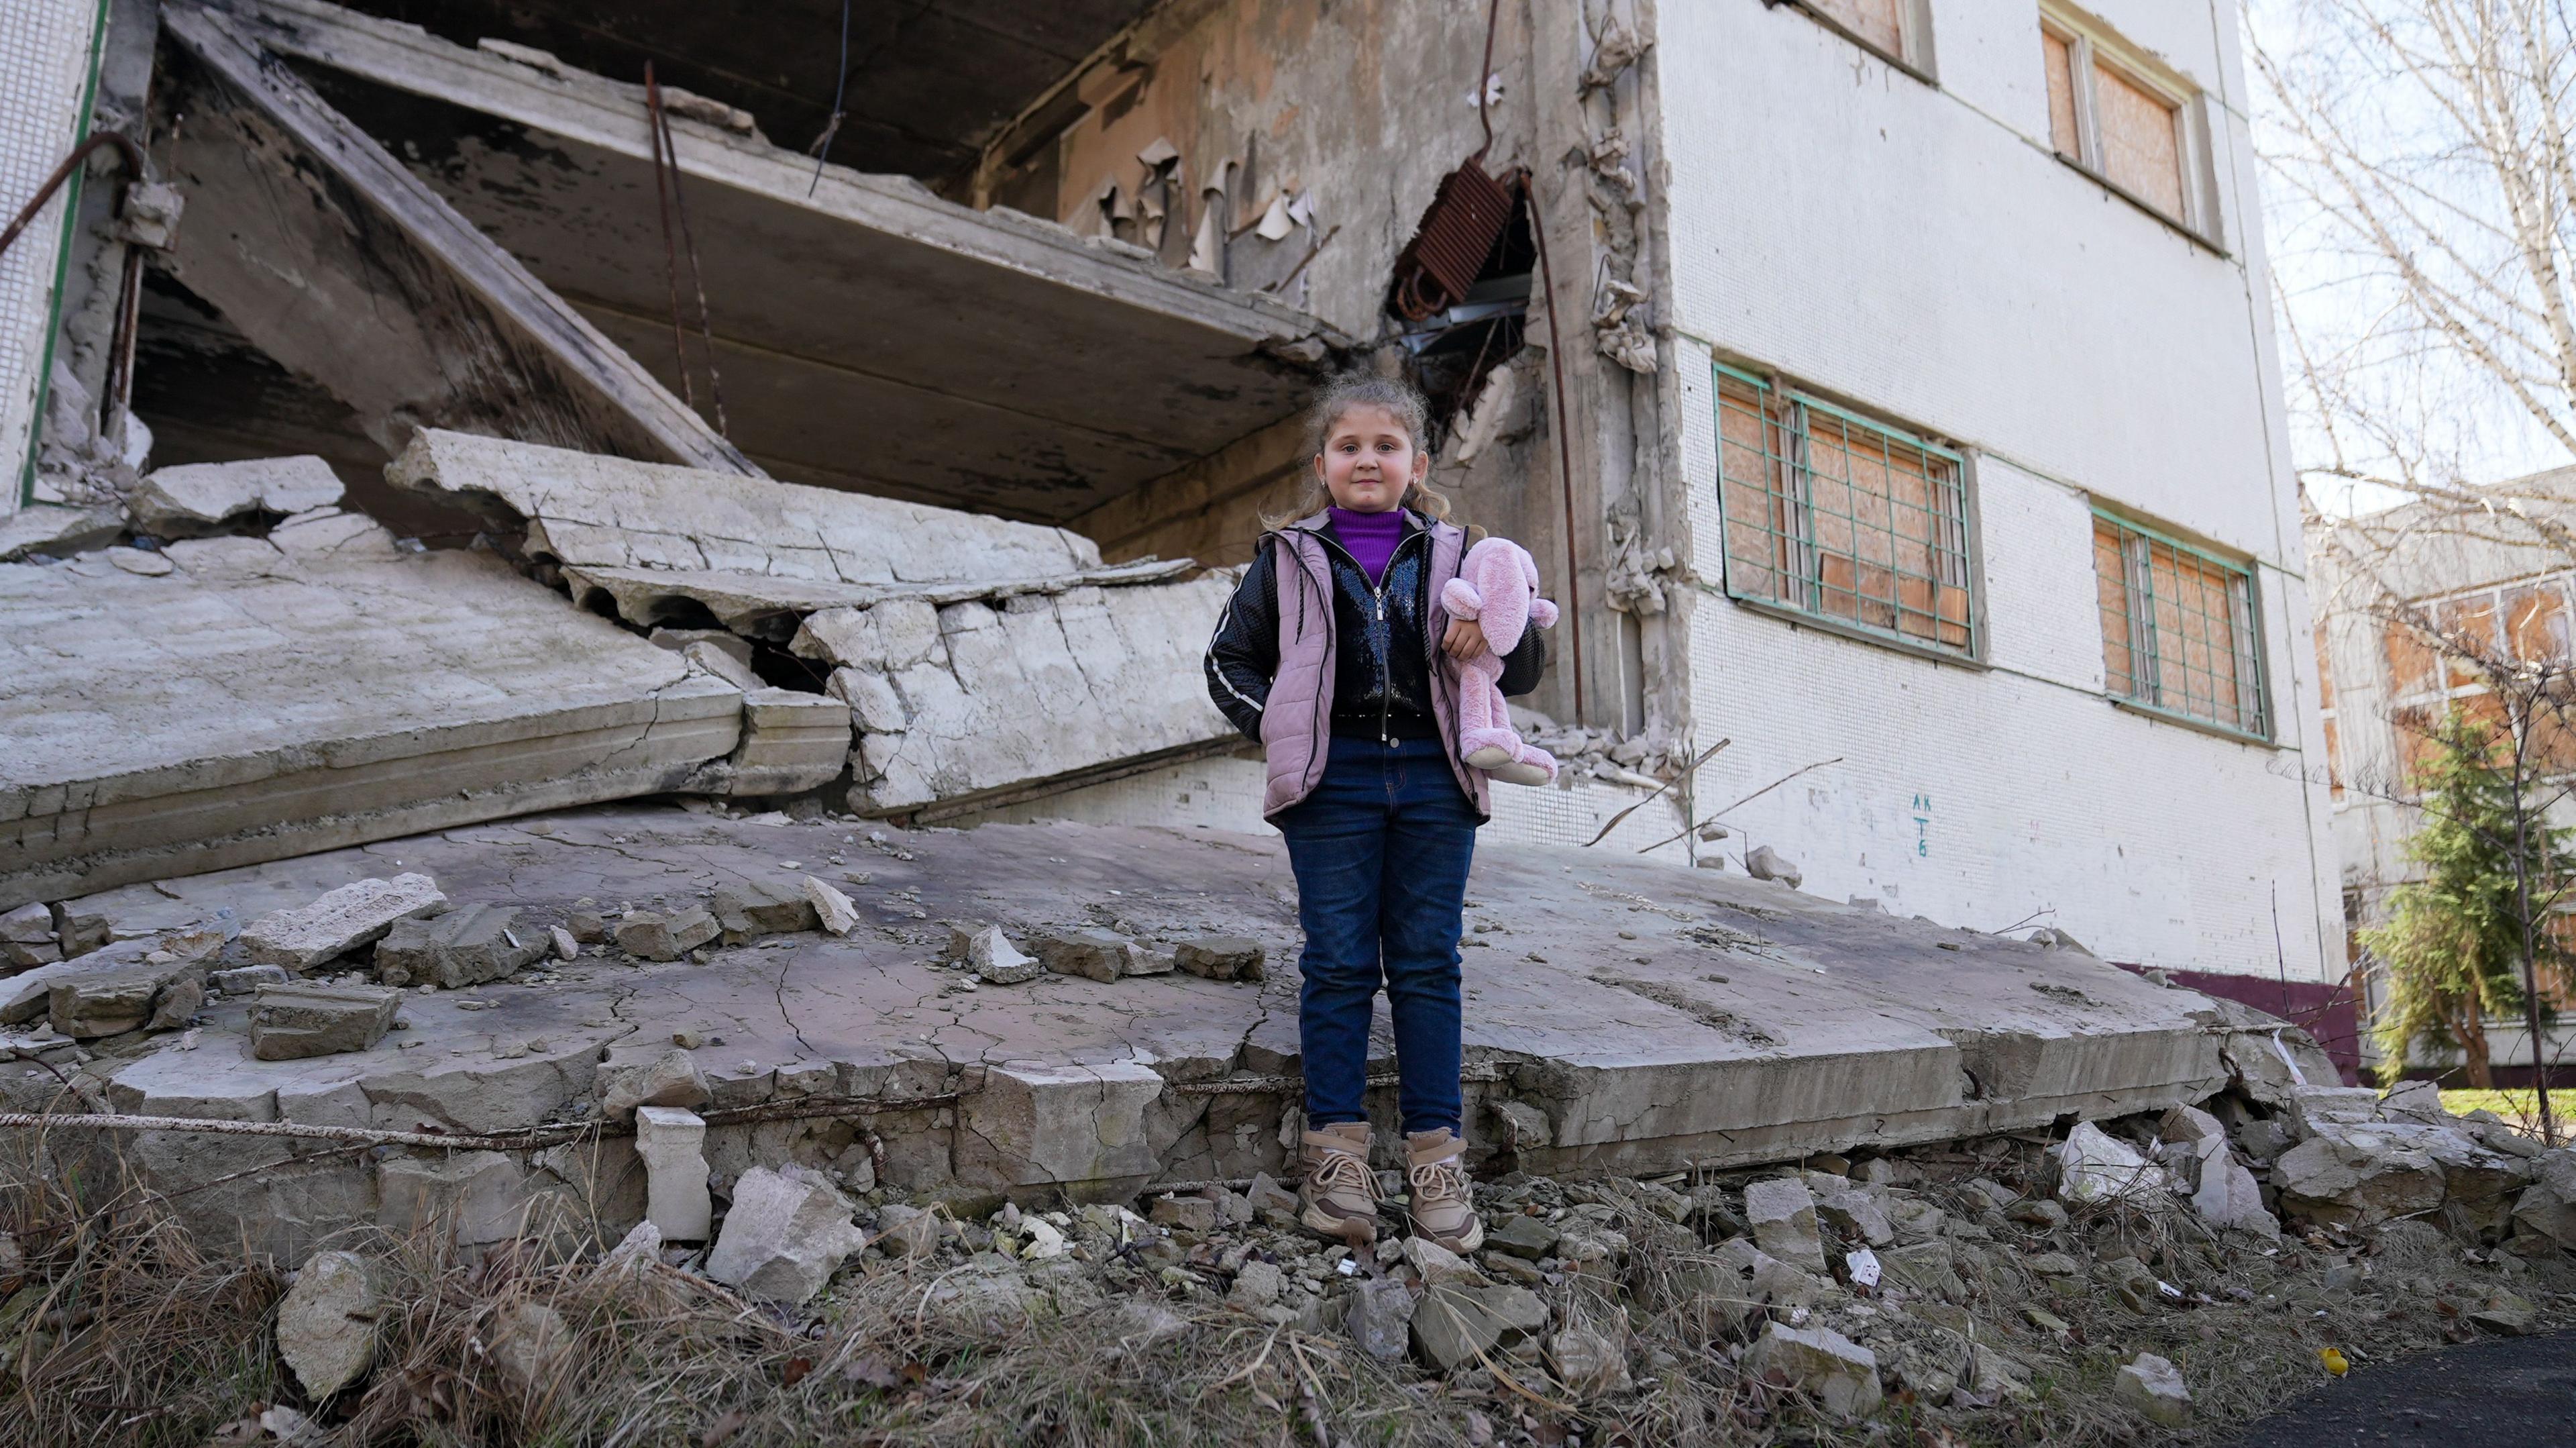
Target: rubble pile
(1995,1290)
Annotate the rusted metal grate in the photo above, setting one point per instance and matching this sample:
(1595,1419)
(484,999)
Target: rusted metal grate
(1458,231)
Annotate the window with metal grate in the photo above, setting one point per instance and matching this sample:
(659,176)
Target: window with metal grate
(2180,634)
(1849,520)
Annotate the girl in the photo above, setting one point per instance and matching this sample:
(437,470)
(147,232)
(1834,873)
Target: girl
(1329,655)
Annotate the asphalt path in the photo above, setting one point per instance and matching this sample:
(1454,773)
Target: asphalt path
(2516,1392)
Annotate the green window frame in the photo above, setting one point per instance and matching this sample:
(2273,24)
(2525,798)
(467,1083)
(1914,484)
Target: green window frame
(2182,628)
(1844,519)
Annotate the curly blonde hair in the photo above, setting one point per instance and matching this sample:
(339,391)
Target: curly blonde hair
(1333,401)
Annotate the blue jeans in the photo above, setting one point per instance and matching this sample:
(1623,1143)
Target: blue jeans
(1381,850)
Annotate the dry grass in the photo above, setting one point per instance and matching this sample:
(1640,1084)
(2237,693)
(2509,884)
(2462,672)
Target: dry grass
(152,1342)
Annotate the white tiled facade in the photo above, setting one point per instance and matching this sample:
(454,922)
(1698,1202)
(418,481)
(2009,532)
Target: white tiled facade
(1916,249)
(46,50)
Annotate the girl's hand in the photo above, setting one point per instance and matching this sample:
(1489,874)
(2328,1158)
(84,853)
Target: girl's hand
(1465,640)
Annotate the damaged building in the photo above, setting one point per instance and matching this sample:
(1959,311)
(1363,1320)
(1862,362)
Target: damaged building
(720,492)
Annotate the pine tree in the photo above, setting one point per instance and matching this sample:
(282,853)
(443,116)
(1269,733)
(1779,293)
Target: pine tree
(2451,950)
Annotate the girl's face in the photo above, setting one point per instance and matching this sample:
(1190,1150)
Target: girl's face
(1369,460)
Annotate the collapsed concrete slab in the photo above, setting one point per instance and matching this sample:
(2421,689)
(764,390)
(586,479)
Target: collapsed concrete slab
(265,698)
(869,334)
(1622,1016)
(339,263)
(973,655)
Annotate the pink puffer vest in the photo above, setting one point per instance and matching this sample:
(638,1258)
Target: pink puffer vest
(1297,718)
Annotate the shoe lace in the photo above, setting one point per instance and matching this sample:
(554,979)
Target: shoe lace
(1340,1169)
(1438,1180)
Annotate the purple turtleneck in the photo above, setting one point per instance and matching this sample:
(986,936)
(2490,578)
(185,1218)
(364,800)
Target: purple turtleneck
(1369,538)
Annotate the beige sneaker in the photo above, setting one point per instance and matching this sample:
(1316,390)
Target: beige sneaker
(1338,1198)
(1442,1210)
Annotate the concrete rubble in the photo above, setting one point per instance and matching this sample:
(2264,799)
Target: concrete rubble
(326,1327)
(341,921)
(785,1235)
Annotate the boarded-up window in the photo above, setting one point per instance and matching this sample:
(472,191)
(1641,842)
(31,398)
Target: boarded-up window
(2178,630)
(1880,22)
(2105,114)
(1834,515)
(2535,621)
(2057,52)
(2412,665)
(2468,636)
(2141,139)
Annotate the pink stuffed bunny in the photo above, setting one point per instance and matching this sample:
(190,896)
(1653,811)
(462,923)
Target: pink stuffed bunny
(1497,587)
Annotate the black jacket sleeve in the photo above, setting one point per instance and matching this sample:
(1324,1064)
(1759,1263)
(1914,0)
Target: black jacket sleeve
(1243,656)
(1523,665)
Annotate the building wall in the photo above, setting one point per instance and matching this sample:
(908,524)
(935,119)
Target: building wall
(46,49)
(1917,250)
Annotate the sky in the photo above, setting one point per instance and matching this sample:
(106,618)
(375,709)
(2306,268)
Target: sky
(2339,306)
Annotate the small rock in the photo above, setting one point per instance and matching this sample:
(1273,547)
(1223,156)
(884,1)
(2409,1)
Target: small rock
(2506,1315)
(27,937)
(1437,1264)
(647,935)
(1256,1285)
(586,923)
(906,1231)
(2154,1387)
(2053,1264)
(670,1079)
(243,979)
(1783,1215)
(1857,1215)
(2093,1166)
(299,1019)
(339,921)
(529,1344)
(990,954)
(565,946)
(785,1235)
(1588,1363)
(2038,1212)
(1100,955)
(1764,863)
(1523,1236)
(110,1002)
(832,909)
(326,1326)
(1839,1373)
(1380,1318)
(762,906)
(1189,1214)
(1267,1195)
(1141,1322)
(1220,957)
(1454,1324)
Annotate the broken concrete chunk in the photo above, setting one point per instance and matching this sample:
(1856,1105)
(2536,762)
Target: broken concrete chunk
(466,946)
(1839,1373)
(1857,1215)
(244,979)
(990,954)
(292,1021)
(27,937)
(832,909)
(1783,1215)
(1220,957)
(57,531)
(647,935)
(326,1326)
(2223,1191)
(562,943)
(908,1231)
(1436,1264)
(1764,863)
(200,498)
(1454,1323)
(756,907)
(471,1198)
(791,742)
(875,707)
(725,664)
(669,1079)
(1588,1362)
(2153,1386)
(2093,1166)
(528,1343)
(585,922)
(1188,1214)
(2356,1176)
(126,998)
(1380,1318)
(356,914)
(784,1236)
(673,1144)
(1101,955)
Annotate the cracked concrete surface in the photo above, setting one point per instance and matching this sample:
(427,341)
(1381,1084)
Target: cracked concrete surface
(266,697)
(1591,1000)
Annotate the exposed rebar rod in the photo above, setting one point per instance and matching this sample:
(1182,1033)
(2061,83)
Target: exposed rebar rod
(697,278)
(670,250)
